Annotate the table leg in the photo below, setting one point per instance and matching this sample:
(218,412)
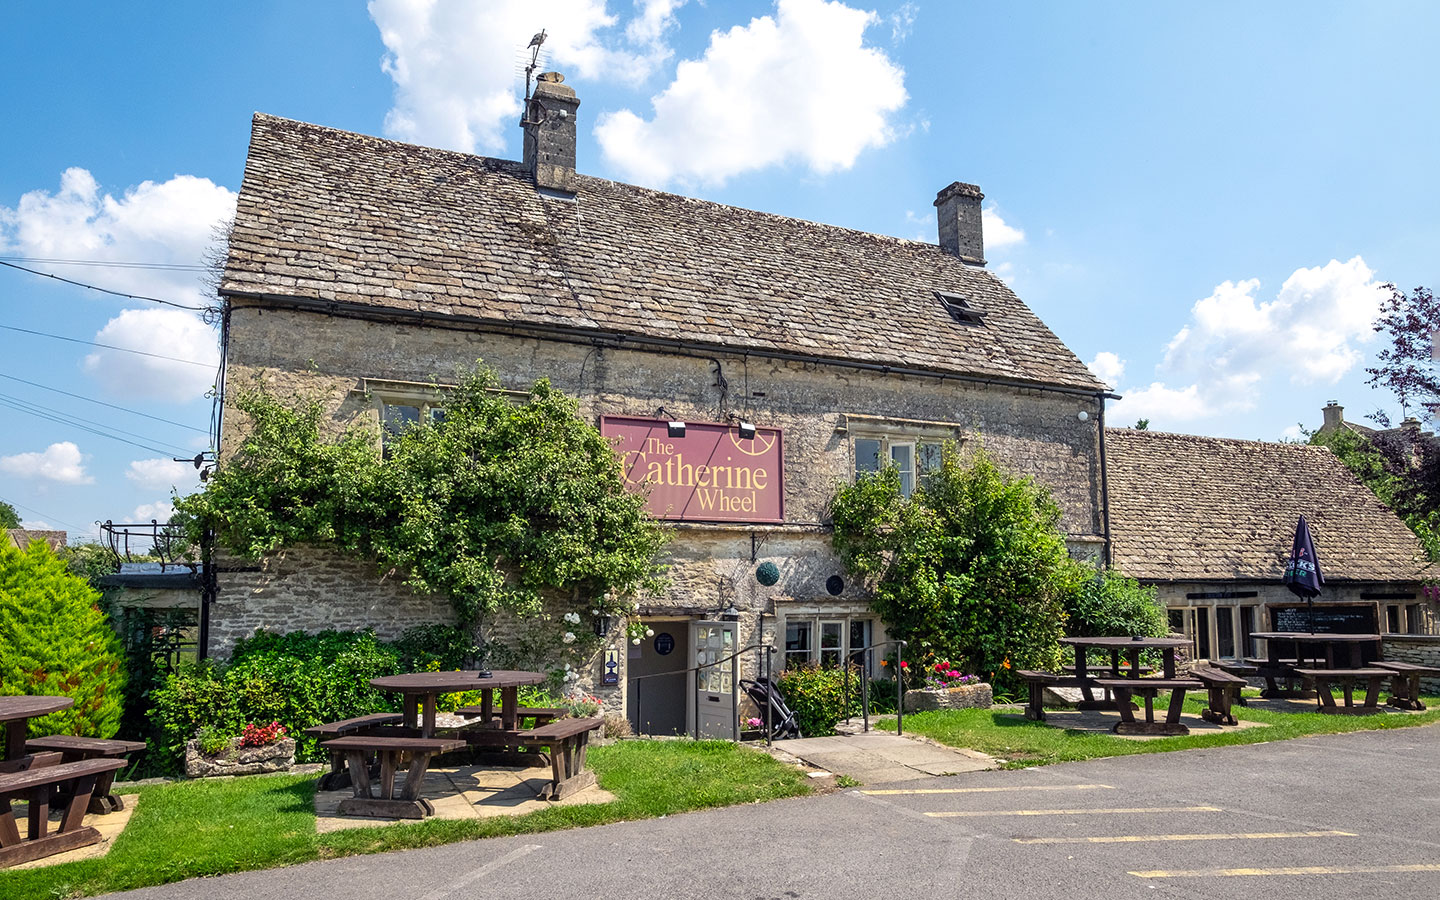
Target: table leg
(9,830)
(15,732)
(1115,662)
(1322,693)
(427,724)
(1122,702)
(412,711)
(509,703)
(1177,705)
(1372,692)
(1167,654)
(487,706)
(1134,662)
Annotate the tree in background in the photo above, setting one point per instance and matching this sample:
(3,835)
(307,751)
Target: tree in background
(55,640)
(1407,367)
(1112,604)
(971,567)
(9,518)
(1402,470)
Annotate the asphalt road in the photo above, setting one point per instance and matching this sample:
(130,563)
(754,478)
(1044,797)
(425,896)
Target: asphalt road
(1344,816)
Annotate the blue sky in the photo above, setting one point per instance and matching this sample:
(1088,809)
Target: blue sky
(1201,201)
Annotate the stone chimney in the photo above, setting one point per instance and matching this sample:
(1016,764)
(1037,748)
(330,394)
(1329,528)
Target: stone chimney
(549,125)
(958,208)
(1334,416)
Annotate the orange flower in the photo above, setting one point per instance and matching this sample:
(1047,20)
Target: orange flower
(1006,663)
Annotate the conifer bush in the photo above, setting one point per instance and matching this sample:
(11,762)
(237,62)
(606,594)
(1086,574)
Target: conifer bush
(55,640)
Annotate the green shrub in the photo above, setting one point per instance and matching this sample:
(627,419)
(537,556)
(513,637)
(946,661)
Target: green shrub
(55,640)
(1114,605)
(817,697)
(213,741)
(296,679)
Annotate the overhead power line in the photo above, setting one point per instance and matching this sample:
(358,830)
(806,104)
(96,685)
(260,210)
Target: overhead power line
(42,515)
(133,412)
(107,263)
(103,290)
(59,337)
(82,424)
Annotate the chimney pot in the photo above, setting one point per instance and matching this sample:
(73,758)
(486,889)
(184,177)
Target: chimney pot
(958,210)
(549,126)
(1334,416)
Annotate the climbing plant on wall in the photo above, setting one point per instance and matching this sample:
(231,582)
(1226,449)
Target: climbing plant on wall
(497,505)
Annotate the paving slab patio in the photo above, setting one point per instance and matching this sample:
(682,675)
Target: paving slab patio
(464,792)
(109,825)
(877,757)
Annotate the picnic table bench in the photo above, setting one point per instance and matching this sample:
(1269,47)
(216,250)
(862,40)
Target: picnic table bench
(409,804)
(1224,689)
(564,739)
(1405,684)
(338,777)
(1276,670)
(1149,689)
(73,748)
(75,781)
(1347,678)
(542,715)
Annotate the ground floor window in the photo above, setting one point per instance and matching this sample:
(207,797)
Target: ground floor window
(1218,630)
(825,640)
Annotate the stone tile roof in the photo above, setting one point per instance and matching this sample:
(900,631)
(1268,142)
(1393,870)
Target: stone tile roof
(339,216)
(1198,508)
(21,537)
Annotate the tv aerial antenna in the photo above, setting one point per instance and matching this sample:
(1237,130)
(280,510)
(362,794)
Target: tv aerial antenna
(533,57)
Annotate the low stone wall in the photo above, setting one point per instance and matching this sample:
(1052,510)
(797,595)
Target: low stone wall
(1420,649)
(968,696)
(276,757)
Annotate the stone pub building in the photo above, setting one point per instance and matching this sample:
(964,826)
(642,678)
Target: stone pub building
(745,363)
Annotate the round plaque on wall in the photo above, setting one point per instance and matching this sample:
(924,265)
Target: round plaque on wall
(767,573)
(835,585)
(664,643)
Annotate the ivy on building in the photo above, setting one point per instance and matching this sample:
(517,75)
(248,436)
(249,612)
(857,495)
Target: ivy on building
(502,507)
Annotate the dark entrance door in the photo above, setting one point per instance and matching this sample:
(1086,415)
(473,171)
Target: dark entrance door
(657,705)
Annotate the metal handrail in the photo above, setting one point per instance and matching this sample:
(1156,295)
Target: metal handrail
(865,684)
(769,652)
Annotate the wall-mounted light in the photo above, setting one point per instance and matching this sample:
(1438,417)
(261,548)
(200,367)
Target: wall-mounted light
(746,429)
(602,625)
(674,427)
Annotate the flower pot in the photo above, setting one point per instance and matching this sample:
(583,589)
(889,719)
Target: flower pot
(967,696)
(276,757)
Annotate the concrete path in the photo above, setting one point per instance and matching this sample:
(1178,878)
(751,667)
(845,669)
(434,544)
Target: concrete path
(879,758)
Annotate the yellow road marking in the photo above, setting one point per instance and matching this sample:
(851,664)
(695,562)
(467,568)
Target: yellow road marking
(990,790)
(1287,870)
(1072,812)
(1138,838)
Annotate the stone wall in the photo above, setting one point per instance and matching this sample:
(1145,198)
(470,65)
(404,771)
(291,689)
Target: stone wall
(1422,650)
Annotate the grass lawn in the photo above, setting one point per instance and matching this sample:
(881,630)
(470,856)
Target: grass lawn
(1021,742)
(193,828)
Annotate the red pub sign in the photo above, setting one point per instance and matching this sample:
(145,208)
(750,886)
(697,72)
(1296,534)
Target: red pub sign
(711,474)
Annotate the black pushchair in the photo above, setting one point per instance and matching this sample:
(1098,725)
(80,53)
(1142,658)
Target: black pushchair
(768,696)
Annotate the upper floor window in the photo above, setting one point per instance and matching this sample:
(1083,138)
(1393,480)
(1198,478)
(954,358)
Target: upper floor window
(914,459)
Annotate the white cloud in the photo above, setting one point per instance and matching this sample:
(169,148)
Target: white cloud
(796,87)
(163,332)
(162,474)
(62,462)
(997,233)
(454,62)
(1235,341)
(902,21)
(1108,367)
(160,511)
(170,222)
(36,525)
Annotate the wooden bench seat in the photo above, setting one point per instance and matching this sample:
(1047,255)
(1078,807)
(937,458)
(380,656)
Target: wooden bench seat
(1282,682)
(1347,679)
(338,777)
(409,805)
(541,714)
(565,740)
(73,748)
(1224,689)
(1405,684)
(1149,689)
(76,781)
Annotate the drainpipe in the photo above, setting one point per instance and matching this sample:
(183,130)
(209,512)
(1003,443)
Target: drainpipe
(1104,486)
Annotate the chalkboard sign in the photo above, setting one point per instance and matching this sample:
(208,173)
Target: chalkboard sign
(1329,619)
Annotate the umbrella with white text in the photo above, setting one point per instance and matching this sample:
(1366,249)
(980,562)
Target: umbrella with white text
(1302,569)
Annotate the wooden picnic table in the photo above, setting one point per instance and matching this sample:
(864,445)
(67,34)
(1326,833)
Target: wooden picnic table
(421,691)
(1118,647)
(16,713)
(1322,648)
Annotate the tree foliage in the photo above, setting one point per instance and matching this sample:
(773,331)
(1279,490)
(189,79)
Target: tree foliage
(1407,367)
(1112,604)
(9,518)
(497,505)
(54,640)
(972,566)
(1402,469)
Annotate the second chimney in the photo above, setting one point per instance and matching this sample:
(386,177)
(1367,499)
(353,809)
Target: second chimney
(958,208)
(549,126)
(1334,416)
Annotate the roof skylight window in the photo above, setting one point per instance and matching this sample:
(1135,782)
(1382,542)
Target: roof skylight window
(958,309)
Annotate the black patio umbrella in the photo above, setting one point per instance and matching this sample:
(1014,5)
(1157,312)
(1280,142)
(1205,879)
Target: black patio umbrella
(1302,569)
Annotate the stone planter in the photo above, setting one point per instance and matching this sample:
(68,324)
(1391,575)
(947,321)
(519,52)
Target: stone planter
(967,696)
(276,757)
